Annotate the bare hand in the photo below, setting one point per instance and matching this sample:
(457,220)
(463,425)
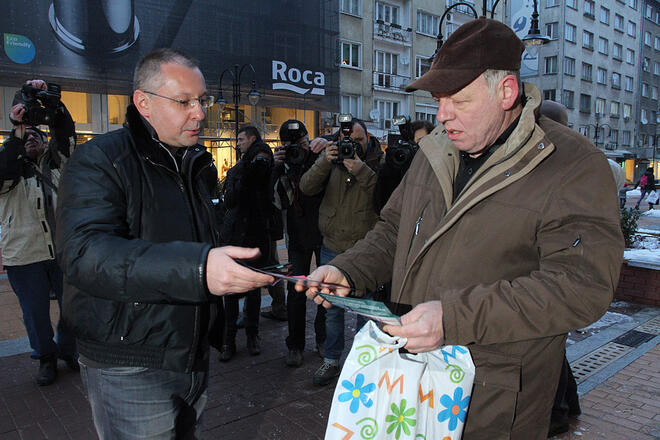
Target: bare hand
(37,84)
(279,156)
(331,152)
(224,275)
(325,274)
(422,326)
(16,113)
(353,165)
(318,144)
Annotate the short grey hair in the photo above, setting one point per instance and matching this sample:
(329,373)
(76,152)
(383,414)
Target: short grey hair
(147,72)
(493,78)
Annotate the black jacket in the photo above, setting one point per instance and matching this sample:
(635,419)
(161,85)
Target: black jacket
(132,239)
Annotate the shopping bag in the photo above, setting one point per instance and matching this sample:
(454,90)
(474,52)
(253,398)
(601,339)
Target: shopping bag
(384,394)
(652,198)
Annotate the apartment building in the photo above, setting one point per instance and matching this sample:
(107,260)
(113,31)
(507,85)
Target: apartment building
(648,144)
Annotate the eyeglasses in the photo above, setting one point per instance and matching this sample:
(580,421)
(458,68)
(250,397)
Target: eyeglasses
(205,101)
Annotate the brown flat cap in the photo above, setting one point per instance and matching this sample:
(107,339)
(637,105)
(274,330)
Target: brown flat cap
(473,48)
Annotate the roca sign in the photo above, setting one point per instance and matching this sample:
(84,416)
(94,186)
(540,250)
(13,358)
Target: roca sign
(297,81)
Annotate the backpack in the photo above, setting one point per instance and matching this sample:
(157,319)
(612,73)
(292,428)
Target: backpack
(643,181)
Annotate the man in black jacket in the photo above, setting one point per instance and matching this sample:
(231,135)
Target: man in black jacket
(135,236)
(292,160)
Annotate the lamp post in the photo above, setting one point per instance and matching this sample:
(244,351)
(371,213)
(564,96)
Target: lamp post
(596,127)
(253,95)
(532,40)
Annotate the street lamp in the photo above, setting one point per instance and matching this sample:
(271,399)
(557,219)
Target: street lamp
(253,95)
(596,127)
(534,38)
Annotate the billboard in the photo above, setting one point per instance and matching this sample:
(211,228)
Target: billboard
(93,45)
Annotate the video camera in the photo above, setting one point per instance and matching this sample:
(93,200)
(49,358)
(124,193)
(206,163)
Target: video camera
(347,146)
(295,153)
(40,105)
(401,154)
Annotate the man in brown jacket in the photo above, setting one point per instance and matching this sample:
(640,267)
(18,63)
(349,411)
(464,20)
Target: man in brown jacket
(503,236)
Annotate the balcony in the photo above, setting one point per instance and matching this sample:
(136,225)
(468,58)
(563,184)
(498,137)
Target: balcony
(392,32)
(389,81)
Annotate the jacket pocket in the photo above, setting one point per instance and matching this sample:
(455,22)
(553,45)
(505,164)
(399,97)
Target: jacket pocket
(326,213)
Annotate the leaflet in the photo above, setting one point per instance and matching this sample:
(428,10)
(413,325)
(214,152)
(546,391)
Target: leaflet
(375,310)
(282,272)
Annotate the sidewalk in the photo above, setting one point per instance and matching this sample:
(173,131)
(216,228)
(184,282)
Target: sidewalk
(616,362)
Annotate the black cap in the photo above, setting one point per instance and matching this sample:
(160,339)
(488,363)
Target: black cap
(292,130)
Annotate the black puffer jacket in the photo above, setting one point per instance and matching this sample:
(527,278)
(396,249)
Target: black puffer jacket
(132,239)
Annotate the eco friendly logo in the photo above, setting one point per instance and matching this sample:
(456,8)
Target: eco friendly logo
(19,48)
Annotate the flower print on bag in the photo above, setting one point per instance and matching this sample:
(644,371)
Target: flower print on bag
(456,408)
(357,393)
(401,418)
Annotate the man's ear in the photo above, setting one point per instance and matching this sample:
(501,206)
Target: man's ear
(142,103)
(509,91)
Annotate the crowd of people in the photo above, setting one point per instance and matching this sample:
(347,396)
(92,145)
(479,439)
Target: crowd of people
(478,238)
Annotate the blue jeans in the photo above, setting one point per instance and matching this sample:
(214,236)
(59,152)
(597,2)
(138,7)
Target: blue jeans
(145,403)
(32,284)
(334,321)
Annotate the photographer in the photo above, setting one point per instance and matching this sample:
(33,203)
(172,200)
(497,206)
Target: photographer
(398,158)
(30,171)
(346,213)
(292,160)
(248,223)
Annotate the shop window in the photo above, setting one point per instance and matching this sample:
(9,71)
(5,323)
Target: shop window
(79,105)
(117,108)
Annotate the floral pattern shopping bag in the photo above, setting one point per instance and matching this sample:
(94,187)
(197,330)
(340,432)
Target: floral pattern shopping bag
(384,394)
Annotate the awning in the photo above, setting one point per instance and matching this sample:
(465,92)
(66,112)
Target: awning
(619,154)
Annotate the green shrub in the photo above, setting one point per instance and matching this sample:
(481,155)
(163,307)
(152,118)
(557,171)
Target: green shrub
(629,217)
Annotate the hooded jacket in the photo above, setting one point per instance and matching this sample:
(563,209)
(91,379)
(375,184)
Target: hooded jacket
(135,225)
(529,250)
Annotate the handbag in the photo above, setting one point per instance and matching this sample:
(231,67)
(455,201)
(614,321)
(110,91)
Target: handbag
(383,393)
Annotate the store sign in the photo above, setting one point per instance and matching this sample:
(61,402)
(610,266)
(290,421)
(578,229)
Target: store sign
(297,81)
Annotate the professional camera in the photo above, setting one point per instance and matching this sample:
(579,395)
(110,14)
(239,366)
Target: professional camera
(295,153)
(40,105)
(401,153)
(347,146)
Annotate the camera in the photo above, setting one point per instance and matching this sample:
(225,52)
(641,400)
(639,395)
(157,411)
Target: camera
(295,153)
(347,146)
(400,154)
(40,105)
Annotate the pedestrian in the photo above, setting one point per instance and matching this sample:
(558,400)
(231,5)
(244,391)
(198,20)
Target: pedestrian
(487,238)
(646,184)
(136,240)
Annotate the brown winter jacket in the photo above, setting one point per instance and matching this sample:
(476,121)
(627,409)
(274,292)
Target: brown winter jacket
(529,250)
(347,211)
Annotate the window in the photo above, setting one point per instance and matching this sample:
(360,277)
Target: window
(625,138)
(385,66)
(79,105)
(648,39)
(649,12)
(351,104)
(585,103)
(589,9)
(426,113)
(604,15)
(616,80)
(614,136)
(350,7)
(600,106)
(427,23)
(387,110)
(551,3)
(656,43)
(656,68)
(603,45)
(654,92)
(617,51)
(571,4)
(387,13)
(645,90)
(551,30)
(602,76)
(627,111)
(614,109)
(630,56)
(632,29)
(350,54)
(632,4)
(551,65)
(567,98)
(422,65)
(117,108)
(588,40)
(587,72)
(550,95)
(646,64)
(644,119)
(618,22)
(569,66)
(569,31)
(629,83)
(462,8)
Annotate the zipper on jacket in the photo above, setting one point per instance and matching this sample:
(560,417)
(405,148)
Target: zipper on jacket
(418,223)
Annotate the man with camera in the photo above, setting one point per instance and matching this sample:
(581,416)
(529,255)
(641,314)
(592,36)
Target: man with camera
(346,171)
(29,171)
(138,245)
(292,160)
